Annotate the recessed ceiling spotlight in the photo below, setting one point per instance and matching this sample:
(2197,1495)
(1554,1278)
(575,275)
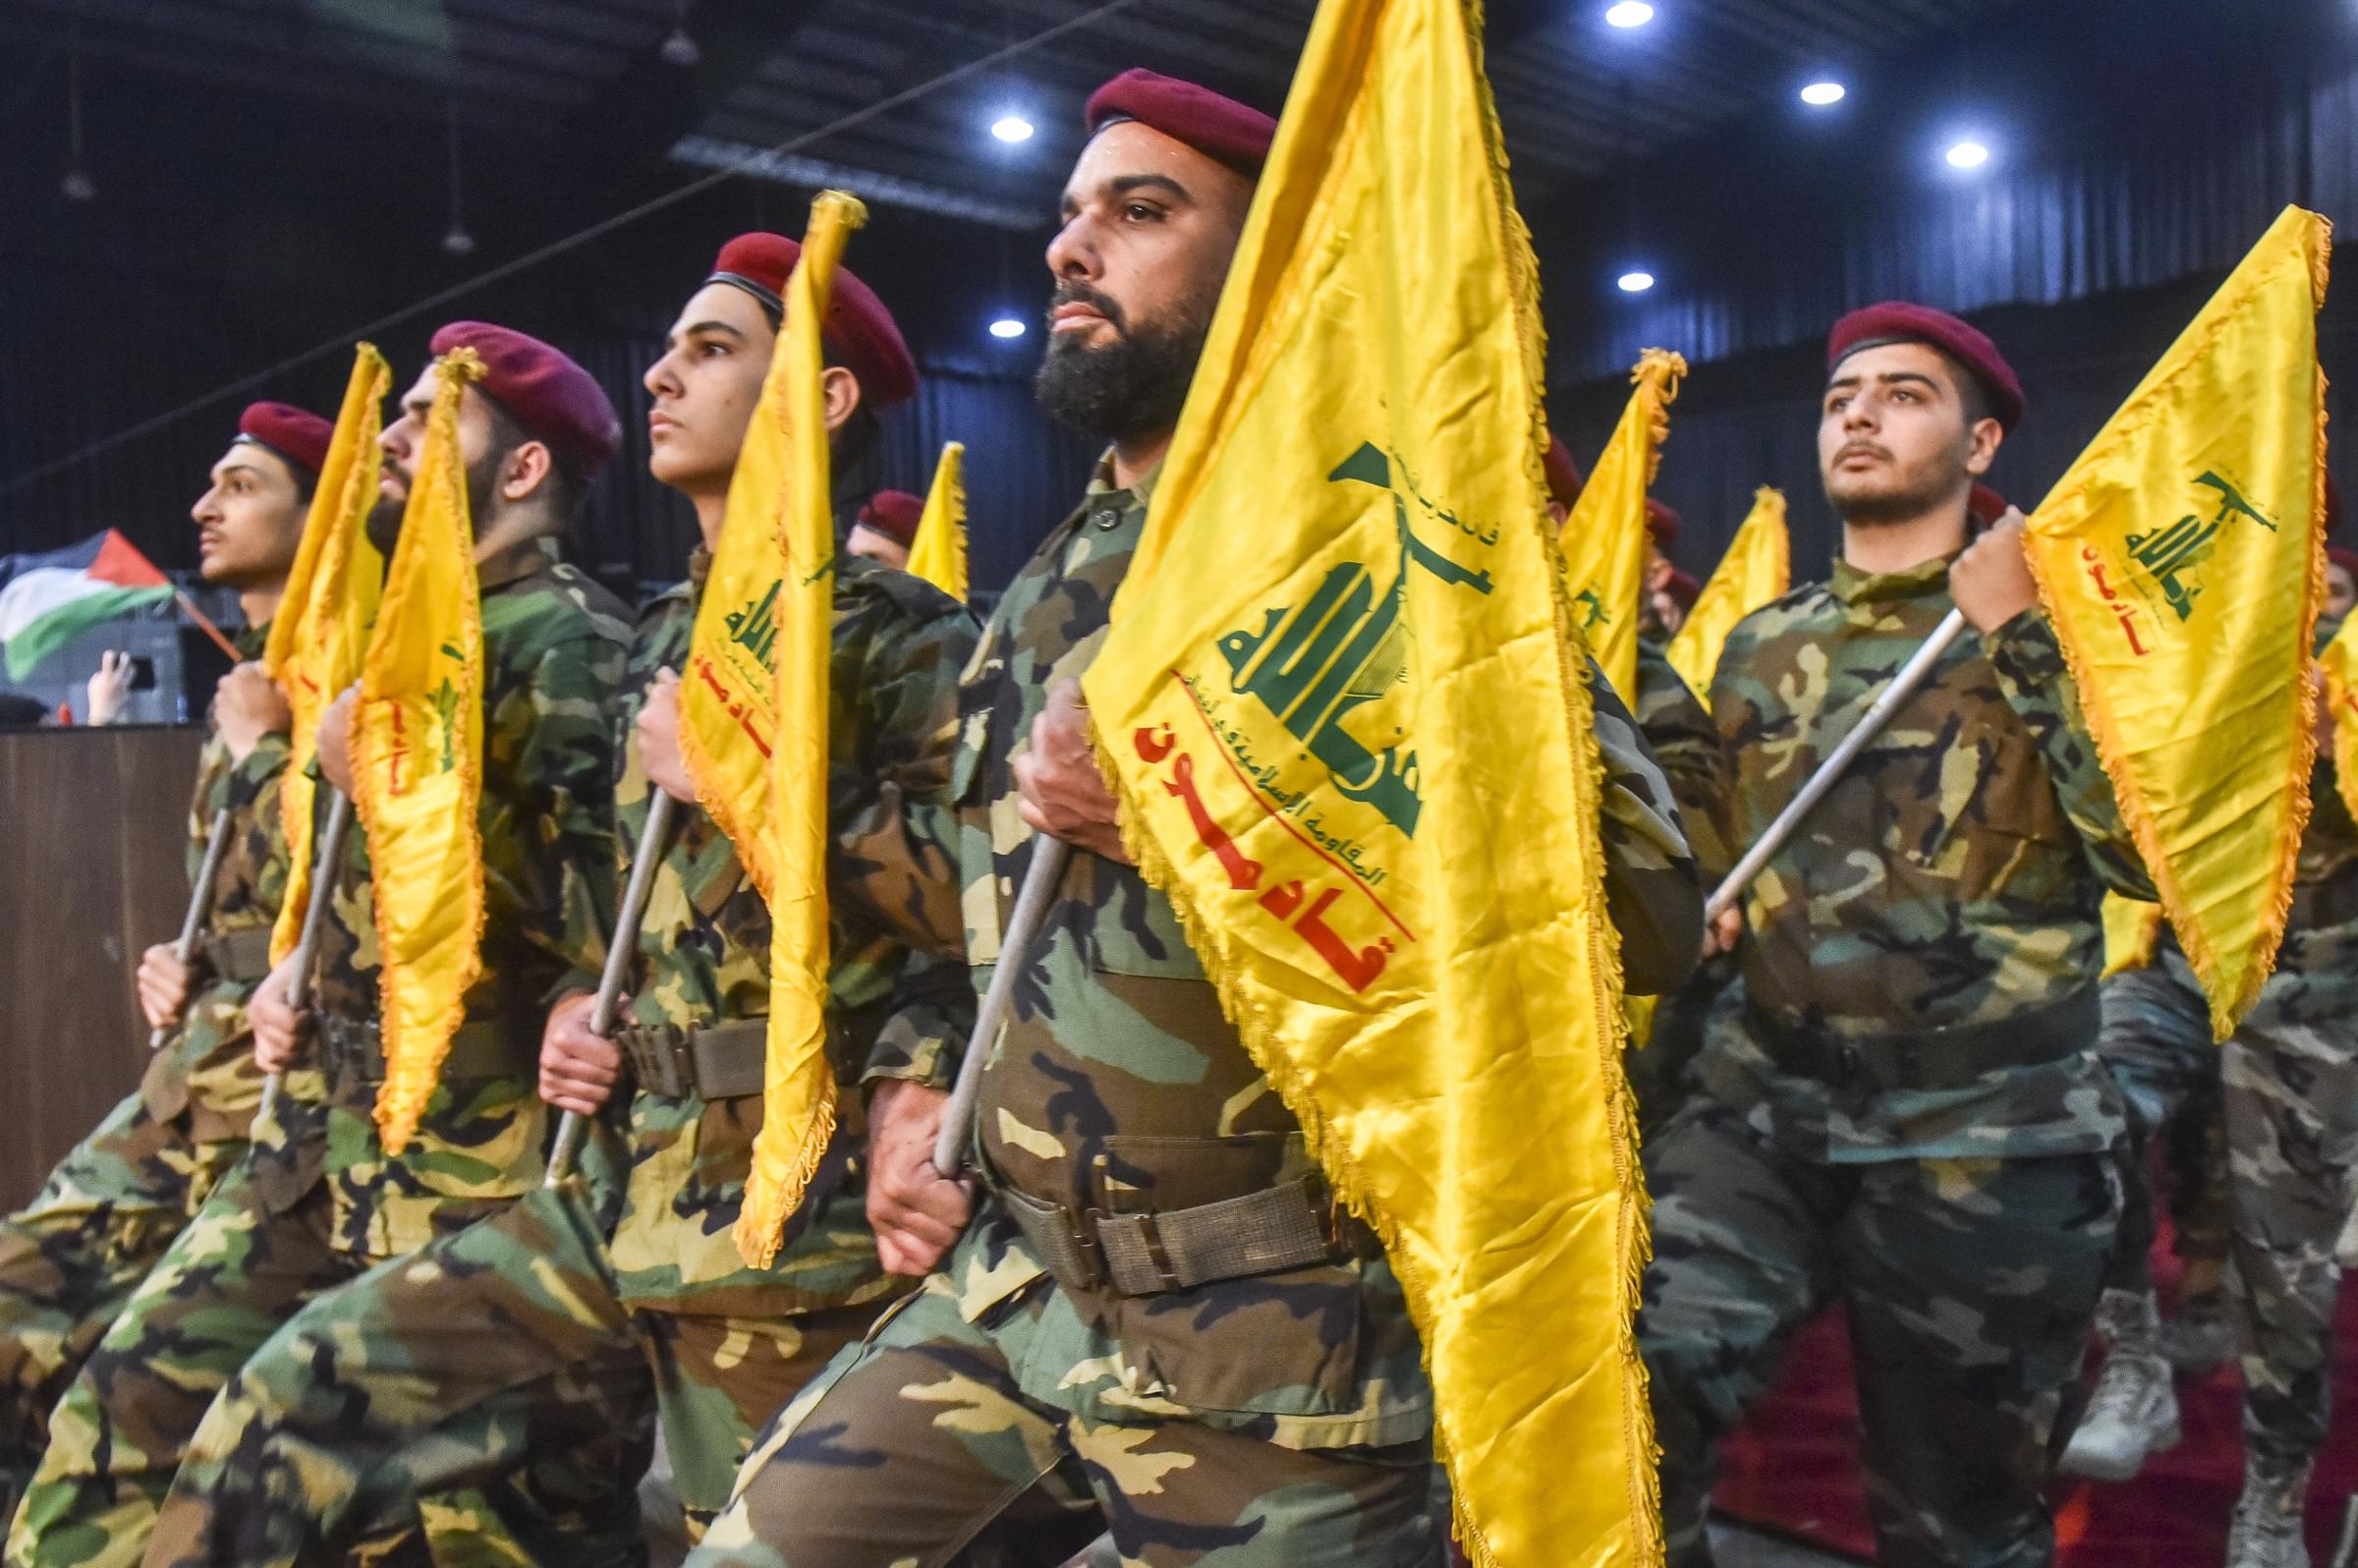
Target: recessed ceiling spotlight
(1636,281)
(1967,154)
(1629,14)
(1008,326)
(1011,127)
(1821,95)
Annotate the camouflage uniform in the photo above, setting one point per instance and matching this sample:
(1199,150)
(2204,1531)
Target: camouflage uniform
(1900,1088)
(324,1208)
(282,1471)
(1677,728)
(1281,1418)
(70,1260)
(2290,1081)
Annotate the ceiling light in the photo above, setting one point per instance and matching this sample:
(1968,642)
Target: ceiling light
(1007,327)
(1968,154)
(1637,281)
(1630,14)
(1819,95)
(1011,127)
(680,49)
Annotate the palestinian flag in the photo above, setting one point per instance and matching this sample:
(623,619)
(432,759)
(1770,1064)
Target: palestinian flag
(46,600)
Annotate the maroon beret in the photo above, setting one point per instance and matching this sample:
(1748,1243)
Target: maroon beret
(550,396)
(1683,589)
(1895,321)
(295,434)
(859,328)
(1984,505)
(1221,129)
(1563,474)
(895,515)
(2333,507)
(2343,558)
(1661,524)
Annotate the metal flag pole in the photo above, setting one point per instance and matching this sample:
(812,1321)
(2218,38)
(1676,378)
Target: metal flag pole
(1871,723)
(201,904)
(1047,869)
(619,952)
(314,916)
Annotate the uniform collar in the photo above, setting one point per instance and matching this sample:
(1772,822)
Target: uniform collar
(1854,587)
(1100,481)
(511,567)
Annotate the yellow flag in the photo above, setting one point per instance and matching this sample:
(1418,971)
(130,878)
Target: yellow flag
(323,619)
(1344,706)
(2338,665)
(939,553)
(754,720)
(2181,561)
(1604,537)
(418,768)
(2132,930)
(1757,570)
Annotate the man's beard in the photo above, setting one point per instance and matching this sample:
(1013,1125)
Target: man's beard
(384,517)
(1912,495)
(1133,385)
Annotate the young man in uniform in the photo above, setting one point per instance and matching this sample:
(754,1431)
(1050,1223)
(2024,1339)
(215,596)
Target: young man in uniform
(888,526)
(1898,1104)
(71,1259)
(550,1294)
(1280,1418)
(533,432)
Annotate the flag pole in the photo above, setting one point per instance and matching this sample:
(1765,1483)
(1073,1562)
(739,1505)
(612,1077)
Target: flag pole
(206,625)
(619,952)
(1047,869)
(201,904)
(1903,686)
(314,917)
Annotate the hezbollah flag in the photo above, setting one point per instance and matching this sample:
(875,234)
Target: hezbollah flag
(1756,569)
(2339,665)
(1353,745)
(1604,537)
(754,720)
(2181,559)
(417,767)
(939,553)
(2132,928)
(323,619)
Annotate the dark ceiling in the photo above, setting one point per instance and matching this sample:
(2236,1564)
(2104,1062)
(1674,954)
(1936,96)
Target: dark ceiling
(585,82)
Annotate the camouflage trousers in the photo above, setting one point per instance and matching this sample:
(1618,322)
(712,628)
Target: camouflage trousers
(2156,1041)
(1968,1284)
(251,1265)
(71,1258)
(914,1439)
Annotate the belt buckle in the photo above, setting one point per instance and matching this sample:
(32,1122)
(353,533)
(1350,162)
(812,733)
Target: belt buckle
(1150,1231)
(1087,1248)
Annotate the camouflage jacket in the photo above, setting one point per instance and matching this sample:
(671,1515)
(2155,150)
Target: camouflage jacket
(703,958)
(554,646)
(1952,877)
(1677,729)
(1119,1083)
(207,1066)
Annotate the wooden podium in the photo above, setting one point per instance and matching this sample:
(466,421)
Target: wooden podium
(93,867)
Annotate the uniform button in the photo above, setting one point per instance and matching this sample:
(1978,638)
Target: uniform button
(1107,520)
(1846,1064)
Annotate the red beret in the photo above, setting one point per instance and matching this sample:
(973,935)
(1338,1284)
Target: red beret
(296,435)
(1563,474)
(1661,524)
(1221,129)
(1984,505)
(2343,558)
(894,514)
(1683,588)
(1895,321)
(2333,507)
(859,328)
(550,396)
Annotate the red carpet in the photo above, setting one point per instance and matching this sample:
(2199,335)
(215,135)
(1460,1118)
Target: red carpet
(1793,1467)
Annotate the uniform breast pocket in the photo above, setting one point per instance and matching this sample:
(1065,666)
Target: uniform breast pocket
(2001,806)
